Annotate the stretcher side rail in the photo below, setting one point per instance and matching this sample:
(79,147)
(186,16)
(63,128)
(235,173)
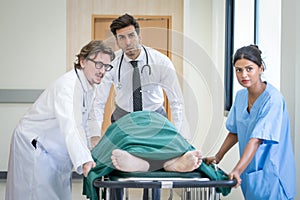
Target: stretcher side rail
(163,184)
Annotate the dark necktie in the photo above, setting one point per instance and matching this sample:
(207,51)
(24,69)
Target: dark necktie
(136,86)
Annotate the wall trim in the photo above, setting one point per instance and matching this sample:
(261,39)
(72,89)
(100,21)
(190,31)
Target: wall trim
(19,95)
(3,175)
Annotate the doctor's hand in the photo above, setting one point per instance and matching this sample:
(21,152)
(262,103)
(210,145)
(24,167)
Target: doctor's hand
(87,167)
(94,141)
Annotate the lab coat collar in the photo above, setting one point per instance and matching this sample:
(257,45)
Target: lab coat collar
(85,83)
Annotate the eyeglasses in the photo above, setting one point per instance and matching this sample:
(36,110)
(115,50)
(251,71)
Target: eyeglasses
(100,65)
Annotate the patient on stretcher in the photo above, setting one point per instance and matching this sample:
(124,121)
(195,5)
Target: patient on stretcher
(146,141)
(142,141)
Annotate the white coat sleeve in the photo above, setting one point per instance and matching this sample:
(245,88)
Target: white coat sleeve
(68,110)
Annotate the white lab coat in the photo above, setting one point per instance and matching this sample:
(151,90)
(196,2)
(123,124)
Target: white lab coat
(58,121)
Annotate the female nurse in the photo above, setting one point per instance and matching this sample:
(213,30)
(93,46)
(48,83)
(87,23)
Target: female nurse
(258,121)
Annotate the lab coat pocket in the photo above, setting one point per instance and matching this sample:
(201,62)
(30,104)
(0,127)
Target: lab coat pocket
(260,184)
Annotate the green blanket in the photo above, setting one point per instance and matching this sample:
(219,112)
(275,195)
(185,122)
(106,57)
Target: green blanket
(144,134)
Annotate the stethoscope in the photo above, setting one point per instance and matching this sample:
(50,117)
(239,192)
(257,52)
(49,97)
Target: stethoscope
(119,86)
(84,110)
(84,92)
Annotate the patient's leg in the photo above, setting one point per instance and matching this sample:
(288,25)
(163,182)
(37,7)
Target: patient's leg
(187,162)
(124,161)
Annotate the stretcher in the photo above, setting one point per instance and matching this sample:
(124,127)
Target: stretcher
(149,136)
(193,185)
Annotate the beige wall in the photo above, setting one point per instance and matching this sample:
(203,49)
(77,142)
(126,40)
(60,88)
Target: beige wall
(32,54)
(290,73)
(33,47)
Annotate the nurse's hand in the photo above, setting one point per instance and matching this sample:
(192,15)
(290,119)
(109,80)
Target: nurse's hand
(212,159)
(87,167)
(235,175)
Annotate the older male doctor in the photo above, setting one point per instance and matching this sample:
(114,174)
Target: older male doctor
(53,137)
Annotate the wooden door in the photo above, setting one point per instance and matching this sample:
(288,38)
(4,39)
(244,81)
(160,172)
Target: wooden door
(154,33)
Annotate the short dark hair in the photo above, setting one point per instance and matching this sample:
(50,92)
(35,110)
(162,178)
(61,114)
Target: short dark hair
(93,48)
(122,22)
(251,52)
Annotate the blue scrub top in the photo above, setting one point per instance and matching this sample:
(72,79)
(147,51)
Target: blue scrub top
(271,174)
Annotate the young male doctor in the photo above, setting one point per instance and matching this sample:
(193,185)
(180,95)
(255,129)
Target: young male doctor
(53,137)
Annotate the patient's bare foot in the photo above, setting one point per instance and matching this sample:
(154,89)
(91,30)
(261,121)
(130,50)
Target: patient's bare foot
(187,162)
(124,161)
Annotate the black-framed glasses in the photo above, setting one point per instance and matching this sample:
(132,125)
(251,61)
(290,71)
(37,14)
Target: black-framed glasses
(100,65)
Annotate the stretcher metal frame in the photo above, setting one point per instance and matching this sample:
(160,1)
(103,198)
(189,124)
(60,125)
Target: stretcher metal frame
(197,188)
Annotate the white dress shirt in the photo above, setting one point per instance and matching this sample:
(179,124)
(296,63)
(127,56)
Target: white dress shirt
(161,75)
